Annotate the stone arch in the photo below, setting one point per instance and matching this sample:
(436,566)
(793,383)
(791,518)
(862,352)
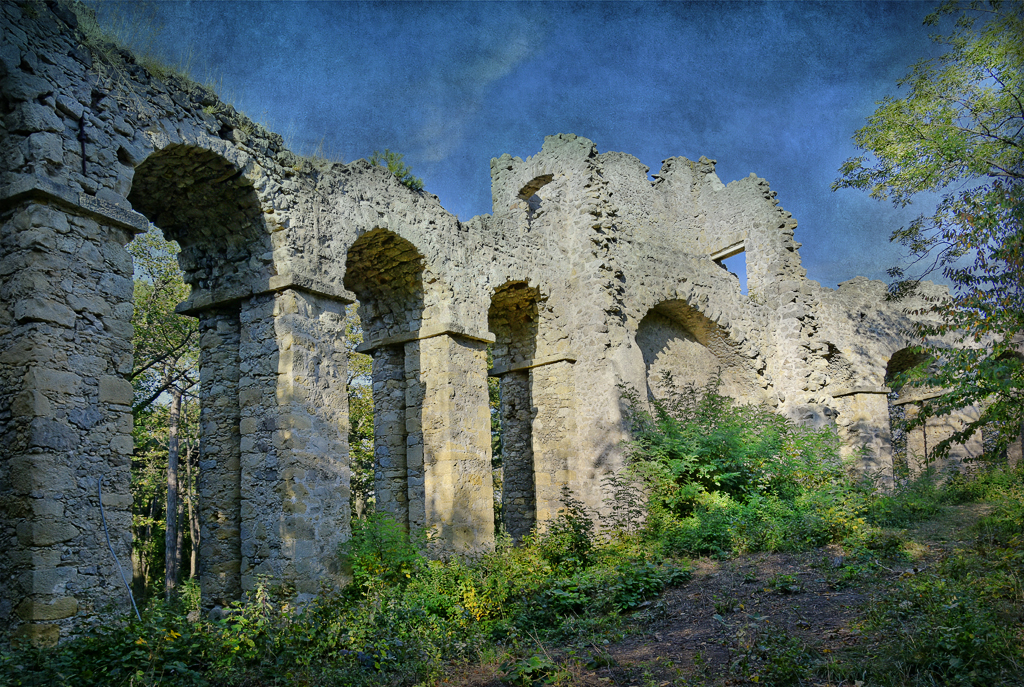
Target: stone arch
(199,199)
(914,449)
(513,319)
(205,203)
(385,271)
(677,338)
(273,479)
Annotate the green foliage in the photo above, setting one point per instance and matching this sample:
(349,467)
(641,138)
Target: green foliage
(360,415)
(909,501)
(959,621)
(697,442)
(626,503)
(531,671)
(958,131)
(393,163)
(380,552)
(165,361)
(724,477)
(569,540)
(769,655)
(166,344)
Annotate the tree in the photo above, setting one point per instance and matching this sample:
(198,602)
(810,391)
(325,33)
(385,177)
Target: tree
(394,164)
(958,131)
(166,359)
(360,415)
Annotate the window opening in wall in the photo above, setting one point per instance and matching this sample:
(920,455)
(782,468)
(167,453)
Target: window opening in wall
(529,193)
(737,264)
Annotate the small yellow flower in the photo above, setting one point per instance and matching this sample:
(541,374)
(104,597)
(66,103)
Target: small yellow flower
(140,641)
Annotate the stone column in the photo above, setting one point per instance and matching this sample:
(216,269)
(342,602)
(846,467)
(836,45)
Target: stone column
(449,442)
(294,440)
(65,414)
(519,495)
(391,485)
(554,429)
(219,456)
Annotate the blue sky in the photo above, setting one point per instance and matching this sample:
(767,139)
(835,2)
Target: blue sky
(774,88)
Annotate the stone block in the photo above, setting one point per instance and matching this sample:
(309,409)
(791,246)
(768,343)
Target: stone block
(59,608)
(45,532)
(116,390)
(26,352)
(32,117)
(50,434)
(37,309)
(30,404)
(44,379)
(49,508)
(40,635)
(122,444)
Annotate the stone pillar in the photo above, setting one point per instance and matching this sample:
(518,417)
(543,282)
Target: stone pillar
(219,456)
(554,430)
(449,442)
(294,441)
(519,495)
(863,424)
(391,485)
(65,414)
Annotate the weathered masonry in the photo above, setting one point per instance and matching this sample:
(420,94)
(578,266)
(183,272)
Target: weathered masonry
(587,275)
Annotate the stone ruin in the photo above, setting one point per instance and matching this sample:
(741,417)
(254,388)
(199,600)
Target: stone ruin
(588,275)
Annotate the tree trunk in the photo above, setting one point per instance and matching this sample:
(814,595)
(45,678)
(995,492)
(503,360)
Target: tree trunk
(171,550)
(193,515)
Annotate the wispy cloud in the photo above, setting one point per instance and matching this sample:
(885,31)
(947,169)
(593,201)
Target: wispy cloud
(458,94)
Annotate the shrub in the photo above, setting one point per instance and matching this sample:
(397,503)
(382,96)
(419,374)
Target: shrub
(723,477)
(394,164)
(379,552)
(568,541)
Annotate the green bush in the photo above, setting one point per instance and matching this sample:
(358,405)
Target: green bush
(568,541)
(380,552)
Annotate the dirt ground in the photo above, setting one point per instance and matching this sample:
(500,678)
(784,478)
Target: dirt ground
(708,630)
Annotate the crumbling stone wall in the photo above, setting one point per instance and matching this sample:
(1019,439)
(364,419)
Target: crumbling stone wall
(589,274)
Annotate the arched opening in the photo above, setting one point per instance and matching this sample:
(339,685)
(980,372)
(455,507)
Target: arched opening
(199,200)
(902,398)
(682,347)
(513,319)
(385,272)
(531,194)
(915,448)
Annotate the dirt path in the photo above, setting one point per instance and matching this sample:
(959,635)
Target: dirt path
(710,630)
(727,610)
